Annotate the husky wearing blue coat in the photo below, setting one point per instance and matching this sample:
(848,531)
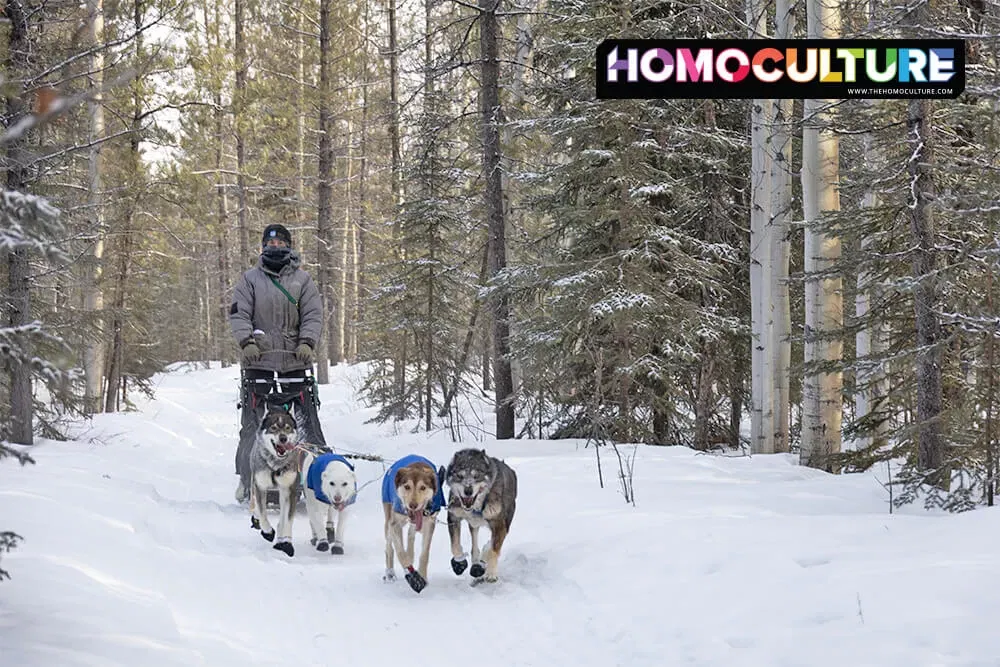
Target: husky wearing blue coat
(412,494)
(330,487)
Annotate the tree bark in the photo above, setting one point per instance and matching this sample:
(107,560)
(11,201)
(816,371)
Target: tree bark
(131,202)
(239,113)
(324,194)
(779,347)
(361,257)
(399,364)
(931,445)
(822,402)
(761,117)
(489,31)
(871,341)
(93,296)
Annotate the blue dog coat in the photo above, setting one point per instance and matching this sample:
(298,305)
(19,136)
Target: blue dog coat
(389,494)
(314,479)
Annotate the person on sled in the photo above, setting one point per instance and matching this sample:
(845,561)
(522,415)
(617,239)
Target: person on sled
(277,319)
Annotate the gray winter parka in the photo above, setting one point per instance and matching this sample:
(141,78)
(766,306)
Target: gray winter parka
(261,312)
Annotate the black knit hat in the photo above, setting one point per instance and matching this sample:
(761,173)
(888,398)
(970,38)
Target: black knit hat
(276,231)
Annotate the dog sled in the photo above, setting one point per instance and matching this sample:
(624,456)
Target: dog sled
(296,394)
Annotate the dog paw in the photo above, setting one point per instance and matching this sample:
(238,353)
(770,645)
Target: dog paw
(312,541)
(331,534)
(458,565)
(477,570)
(416,582)
(491,578)
(285,547)
(337,550)
(322,545)
(390,575)
(254,523)
(268,535)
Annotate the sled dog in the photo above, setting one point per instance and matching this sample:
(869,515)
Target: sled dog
(482,492)
(330,487)
(274,464)
(412,494)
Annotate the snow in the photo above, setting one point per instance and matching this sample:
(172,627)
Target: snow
(136,551)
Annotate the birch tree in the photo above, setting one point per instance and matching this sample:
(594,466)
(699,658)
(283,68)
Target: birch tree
(761,260)
(822,402)
(93,296)
(778,346)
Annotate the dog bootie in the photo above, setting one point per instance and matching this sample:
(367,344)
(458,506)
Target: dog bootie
(254,523)
(337,549)
(416,582)
(322,545)
(478,569)
(458,565)
(285,547)
(268,535)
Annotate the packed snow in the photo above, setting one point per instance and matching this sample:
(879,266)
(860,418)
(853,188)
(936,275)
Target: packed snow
(136,552)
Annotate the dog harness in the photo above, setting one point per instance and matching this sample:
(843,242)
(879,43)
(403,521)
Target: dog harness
(314,477)
(389,494)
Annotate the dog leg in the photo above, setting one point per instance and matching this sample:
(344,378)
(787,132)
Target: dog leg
(426,535)
(331,528)
(411,539)
(498,533)
(315,512)
(390,572)
(284,543)
(459,561)
(338,542)
(260,512)
(478,567)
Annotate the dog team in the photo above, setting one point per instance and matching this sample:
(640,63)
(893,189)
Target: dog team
(482,492)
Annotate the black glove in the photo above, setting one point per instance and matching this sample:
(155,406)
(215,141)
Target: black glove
(304,353)
(250,353)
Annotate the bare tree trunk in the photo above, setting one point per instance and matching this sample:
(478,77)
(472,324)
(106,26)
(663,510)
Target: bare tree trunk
(340,324)
(239,113)
(822,401)
(931,444)
(779,249)
(491,113)
(430,171)
(115,369)
(224,346)
(324,194)
(93,296)
(761,116)
(871,341)
(18,270)
(361,258)
(399,364)
(703,398)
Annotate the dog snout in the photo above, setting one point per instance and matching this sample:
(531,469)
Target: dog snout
(282,438)
(413,506)
(468,491)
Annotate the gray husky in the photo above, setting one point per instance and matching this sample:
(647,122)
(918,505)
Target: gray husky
(275,462)
(482,492)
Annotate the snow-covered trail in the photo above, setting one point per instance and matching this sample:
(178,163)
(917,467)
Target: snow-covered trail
(136,551)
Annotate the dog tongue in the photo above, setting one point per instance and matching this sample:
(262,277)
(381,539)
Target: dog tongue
(418,519)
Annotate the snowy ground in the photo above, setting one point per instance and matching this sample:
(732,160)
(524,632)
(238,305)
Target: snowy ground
(136,553)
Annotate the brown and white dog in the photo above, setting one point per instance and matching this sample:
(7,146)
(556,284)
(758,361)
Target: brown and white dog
(412,495)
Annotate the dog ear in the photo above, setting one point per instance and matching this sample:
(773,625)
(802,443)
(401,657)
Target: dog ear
(397,480)
(442,475)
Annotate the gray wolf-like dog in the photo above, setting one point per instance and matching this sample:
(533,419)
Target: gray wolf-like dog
(412,494)
(482,492)
(274,464)
(330,487)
